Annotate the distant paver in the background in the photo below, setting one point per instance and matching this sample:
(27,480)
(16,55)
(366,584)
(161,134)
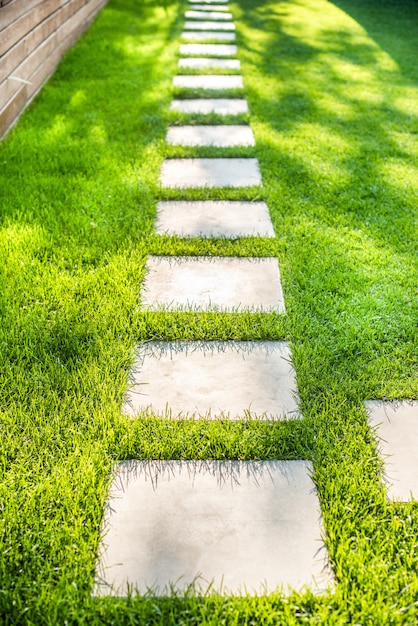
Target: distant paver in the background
(241,526)
(200,173)
(208,15)
(209,81)
(397,433)
(209,25)
(207,34)
(217,218)
(203,62)
(222,106)
(209,49)
(212,380)
(212,283)
(221,136)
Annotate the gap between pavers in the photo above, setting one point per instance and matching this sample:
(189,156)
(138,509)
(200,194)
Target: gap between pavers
(234,526)
(213,218)
(201,173)
(209,49)
(208,15)
(230,380)
(396,424)
(222,106)
(202,62)
(207,34)
(208,81)
(208,25)
(211,2)
(212,283)
(219,136)
(207,7)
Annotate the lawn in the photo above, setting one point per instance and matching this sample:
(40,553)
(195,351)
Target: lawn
(332,89)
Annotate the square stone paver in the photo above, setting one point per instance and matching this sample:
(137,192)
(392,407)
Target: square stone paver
(200,173)
(209,49)
(397,433)
(208,15)
(221,136)
(220,218)
(203,62)
(222,106)
(242,526)
(212,283)
(207,34)
(208,25)
(208,81)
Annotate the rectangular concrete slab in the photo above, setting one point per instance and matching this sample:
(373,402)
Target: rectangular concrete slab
(207,34)
(208,49)
(203,62)
(396,426)
(200,173)
(208,15)
(212,283)
(240,526)
(208,25)
(221,136)
(209,81)
(212,380)
(220,218)
(208,7)
(211,2)
(221,106)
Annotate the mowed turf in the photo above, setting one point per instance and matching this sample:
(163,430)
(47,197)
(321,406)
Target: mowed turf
(332,89)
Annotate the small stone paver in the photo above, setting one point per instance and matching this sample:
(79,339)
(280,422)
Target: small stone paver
(206,15)
(207,34)
(397,433)
(244,526)
(210,2)
(208,25)
(208,81)
(220,136)
(219,218)
(208,7)
(202,62)
(222,106)
(212,283)
(212,380)
(209,49)
(200,173)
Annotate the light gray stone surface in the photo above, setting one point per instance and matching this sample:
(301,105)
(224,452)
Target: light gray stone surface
(209,15)
(221,218)
(244,526)
(222,106)
(207,34)
(210,81)
(203,62)
(212,49)
(208,7)
(211,283)
(193,173)
(208,25)
(397,434)
(221,136)
(211,2)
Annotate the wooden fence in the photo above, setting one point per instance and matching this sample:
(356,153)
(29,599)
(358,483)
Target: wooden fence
(34,34)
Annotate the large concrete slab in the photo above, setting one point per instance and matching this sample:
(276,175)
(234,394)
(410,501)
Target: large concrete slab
(396,426)
(220,136)
(203,62)
(220,218)
(222,106)
(209,49)
(199,173)
(240,526)
(207,34)
(210,81)
(212,283)
(208,25)
(208,15)
(211,2)
(213,380)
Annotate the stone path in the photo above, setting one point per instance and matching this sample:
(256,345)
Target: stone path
(239,526)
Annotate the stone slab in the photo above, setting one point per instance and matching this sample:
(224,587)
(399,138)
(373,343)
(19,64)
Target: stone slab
(208,7)
(222,106)
(212,380)
(240,526)
(207,34)
(210,2)
(203,62)
(397,432)
(209,15)
(200,173)
(210,49)
(208,81)
(208,25)
(212,283)
(220,218)
(220,136)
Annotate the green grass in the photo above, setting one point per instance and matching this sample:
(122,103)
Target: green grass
(333,91)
